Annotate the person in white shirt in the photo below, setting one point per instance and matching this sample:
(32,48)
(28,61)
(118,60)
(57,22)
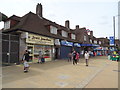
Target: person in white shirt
(86,55)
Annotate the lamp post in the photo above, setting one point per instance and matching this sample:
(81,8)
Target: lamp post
(114,27)
(114,30)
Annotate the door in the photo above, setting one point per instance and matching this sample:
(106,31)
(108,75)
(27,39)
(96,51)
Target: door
(64,50)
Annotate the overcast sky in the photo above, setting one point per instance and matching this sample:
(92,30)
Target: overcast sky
(96,15)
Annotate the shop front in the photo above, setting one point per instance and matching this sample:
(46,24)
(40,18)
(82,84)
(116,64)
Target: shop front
(77,47)
(100,51)
(57,49)
(66,47)
(37,45)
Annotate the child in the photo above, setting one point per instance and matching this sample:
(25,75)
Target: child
(26,66)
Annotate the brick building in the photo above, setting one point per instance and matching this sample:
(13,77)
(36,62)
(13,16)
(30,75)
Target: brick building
(38,34)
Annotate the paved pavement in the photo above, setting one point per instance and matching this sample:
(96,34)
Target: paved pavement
(101,73)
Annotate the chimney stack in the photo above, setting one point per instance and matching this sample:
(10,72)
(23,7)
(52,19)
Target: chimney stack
(67,24)
(39,10)
(77,26)
(91,33)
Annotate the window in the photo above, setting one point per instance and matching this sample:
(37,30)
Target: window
(73,36)
(85,38)
(95,41)
(7,25)
(53,30)
(99,42)
(64,34)
(90,41)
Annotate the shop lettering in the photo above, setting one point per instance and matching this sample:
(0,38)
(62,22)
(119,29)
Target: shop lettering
(38,38)
(45,39)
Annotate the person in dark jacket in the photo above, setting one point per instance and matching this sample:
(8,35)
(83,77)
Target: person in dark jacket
(74,57)
(26,56)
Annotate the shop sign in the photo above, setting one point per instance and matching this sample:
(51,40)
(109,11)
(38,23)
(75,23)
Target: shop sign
(77,45)
(86,44)
(95,45)
(57,42)
(37,39)
(111,41)
(66,43)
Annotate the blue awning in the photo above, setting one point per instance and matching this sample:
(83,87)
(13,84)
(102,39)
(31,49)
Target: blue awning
(66,43)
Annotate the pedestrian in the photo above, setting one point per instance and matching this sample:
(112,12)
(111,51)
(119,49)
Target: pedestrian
(77,57)
(42,59)
(86,57)
(69,56)
(25,60)
(26,56)
(74,57)
(26,66)
(39,57)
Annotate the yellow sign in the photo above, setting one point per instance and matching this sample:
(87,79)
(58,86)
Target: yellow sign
(114,52)
(37,39)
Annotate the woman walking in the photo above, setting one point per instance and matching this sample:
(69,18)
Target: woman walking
(86,57)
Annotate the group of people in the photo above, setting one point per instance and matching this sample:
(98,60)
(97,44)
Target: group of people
(75,56)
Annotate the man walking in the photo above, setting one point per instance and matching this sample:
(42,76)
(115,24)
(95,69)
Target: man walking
(86,57)
(74,58)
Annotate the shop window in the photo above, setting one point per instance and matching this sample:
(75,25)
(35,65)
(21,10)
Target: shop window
(44,50)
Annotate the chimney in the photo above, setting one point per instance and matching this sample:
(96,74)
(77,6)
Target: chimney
(67,24)
(77,26)
(91,33)
(39,10)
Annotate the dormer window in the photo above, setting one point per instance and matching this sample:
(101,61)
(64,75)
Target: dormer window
(53,30)
(64,33)
(73,36)
(7,25)
(90,41)
(85,38)
(95,41)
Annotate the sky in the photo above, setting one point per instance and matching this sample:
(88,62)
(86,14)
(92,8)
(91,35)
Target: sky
(96,15)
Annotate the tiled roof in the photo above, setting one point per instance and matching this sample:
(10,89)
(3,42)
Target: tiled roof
(35,24)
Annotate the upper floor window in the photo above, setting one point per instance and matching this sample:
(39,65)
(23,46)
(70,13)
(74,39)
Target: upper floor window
(73,36)
(64,34)
(7,25)
(85,38)
(99,42)
(53,30)
(90,40)
(95,41)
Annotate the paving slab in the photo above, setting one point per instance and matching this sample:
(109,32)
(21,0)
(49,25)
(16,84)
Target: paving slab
(62,74)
